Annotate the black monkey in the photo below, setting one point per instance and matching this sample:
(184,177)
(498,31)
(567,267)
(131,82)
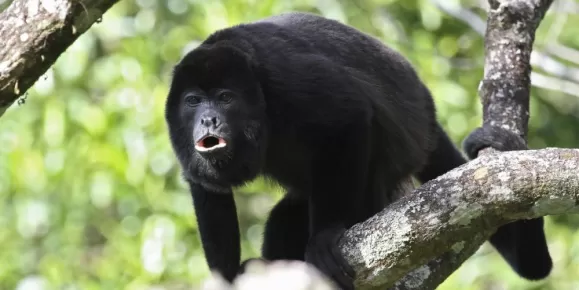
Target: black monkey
(330,113)
(522,243)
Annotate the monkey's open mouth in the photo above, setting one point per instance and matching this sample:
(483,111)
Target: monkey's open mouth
(210,143)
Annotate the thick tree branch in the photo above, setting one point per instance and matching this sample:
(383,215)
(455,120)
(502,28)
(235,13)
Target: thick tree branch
(34,33)
(470,201)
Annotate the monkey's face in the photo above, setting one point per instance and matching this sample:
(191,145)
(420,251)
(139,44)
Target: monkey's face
(216,117)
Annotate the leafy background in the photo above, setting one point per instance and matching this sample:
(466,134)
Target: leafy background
(90,192)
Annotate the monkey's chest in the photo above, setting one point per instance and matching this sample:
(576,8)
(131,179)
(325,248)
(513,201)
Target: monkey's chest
(289,163)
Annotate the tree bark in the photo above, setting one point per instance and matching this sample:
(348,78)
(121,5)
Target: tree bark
(444,214)
(504,93)
(34,34)
(509,38)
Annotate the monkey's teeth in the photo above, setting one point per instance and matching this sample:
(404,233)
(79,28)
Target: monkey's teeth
(205,149)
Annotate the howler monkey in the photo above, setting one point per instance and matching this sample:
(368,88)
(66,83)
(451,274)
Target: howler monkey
(330,113)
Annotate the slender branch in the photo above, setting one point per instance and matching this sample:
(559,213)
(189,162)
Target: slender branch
(34,34)
(510,34)
(555,84)
(554,67)
(568,54)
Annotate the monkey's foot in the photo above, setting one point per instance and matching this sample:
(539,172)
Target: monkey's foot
(323,252)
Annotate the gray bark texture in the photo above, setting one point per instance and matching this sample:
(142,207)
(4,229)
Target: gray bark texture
(442,216)
(510,33)
(34,34)
(504,93)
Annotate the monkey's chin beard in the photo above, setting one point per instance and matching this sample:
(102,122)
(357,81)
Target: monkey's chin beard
(233,163)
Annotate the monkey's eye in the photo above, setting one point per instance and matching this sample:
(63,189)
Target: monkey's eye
(192,100)
(225,97)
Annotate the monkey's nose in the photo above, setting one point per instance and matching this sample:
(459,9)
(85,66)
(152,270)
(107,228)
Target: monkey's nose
(210,121)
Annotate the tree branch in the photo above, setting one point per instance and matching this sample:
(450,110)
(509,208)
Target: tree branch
(445,213)
(34,34)
(504,92)
(509,38)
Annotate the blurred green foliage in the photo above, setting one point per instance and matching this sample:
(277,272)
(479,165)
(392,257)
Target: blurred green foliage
(91,194)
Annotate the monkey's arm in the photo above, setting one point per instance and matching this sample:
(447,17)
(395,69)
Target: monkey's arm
(219,229)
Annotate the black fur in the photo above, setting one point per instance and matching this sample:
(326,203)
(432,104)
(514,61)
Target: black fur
(330,113)
(522,243)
